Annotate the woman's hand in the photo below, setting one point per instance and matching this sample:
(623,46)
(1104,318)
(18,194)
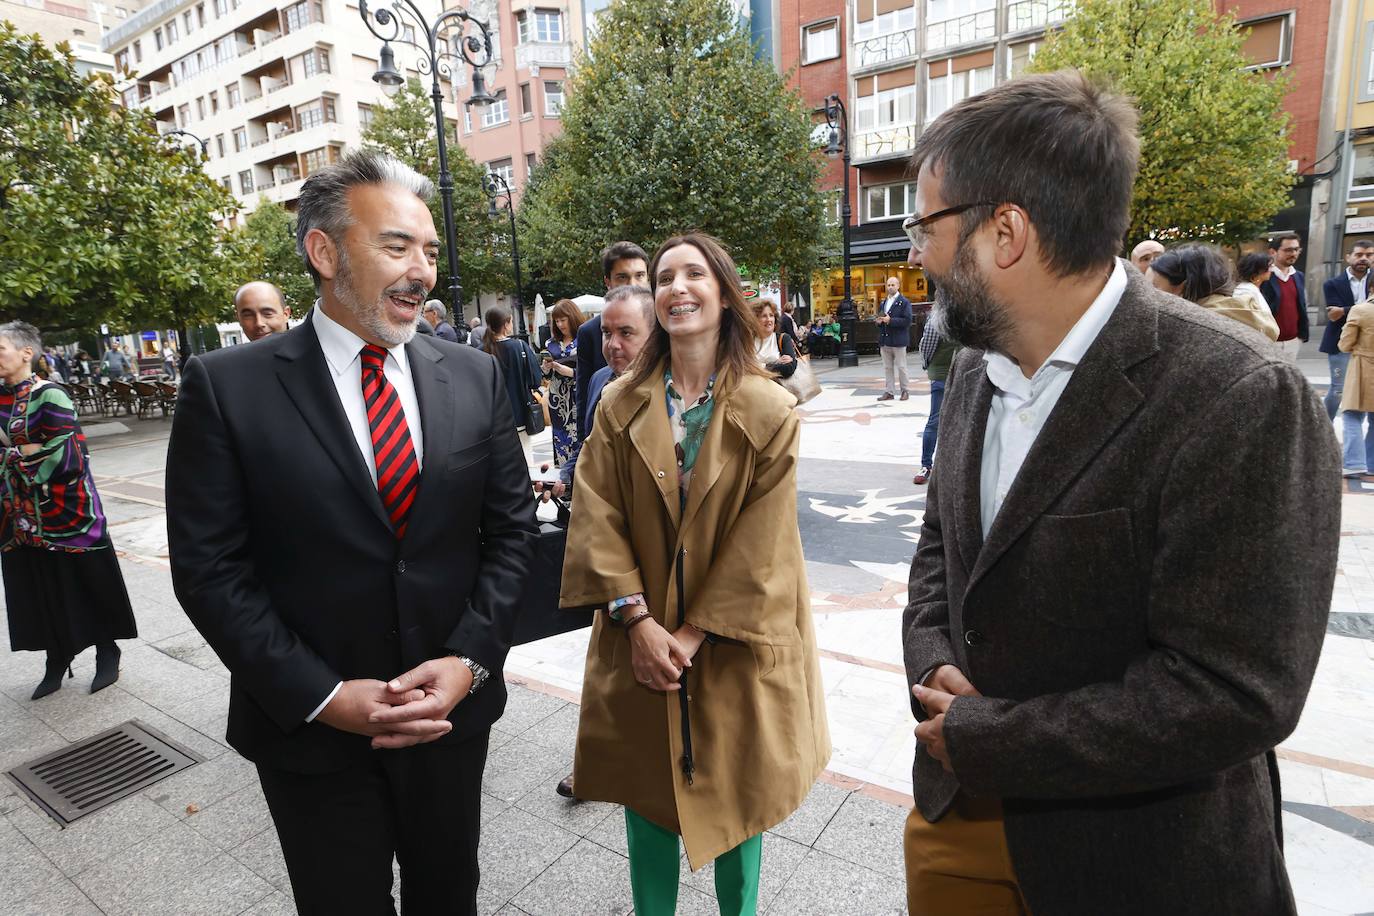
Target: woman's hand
(690,638)
(565,371)
(656,656)
(547,365)
(784,360)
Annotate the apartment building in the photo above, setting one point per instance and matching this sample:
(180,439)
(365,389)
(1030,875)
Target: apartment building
(80,23)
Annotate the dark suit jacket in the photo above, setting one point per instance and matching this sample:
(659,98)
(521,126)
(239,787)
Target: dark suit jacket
(1336,294)
(897,332)
(445,331)
(1139,649)
(283,556)
(589,359)
(1270,290)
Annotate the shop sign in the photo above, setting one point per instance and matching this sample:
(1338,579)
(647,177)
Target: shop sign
(1360,224)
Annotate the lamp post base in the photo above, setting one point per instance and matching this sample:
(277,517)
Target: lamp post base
(849,351)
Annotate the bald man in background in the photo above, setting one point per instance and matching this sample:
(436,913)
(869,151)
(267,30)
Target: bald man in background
(1144,253)
(261,308)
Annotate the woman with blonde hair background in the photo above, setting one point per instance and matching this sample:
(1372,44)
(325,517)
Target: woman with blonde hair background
(680,491)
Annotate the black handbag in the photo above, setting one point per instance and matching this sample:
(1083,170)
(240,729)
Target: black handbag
(533,418)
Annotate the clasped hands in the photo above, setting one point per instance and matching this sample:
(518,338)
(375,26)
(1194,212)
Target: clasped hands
(946,683)
(411,709)
(658,656)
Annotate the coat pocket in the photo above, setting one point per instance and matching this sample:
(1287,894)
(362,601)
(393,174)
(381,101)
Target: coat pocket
(467,456)
(1080,569)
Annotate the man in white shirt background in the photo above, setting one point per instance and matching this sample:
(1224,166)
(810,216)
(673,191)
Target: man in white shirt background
(894,336)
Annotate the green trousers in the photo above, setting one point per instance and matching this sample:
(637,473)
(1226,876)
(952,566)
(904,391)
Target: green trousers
(654,858)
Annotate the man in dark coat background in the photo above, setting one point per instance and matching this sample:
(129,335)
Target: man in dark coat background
(1102,652)
(1340,294)
(1286,293)
(622,264)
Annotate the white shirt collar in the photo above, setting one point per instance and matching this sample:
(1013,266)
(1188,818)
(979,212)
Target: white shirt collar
(341,346)
(1283,273)
(1354,279)
(1006,375)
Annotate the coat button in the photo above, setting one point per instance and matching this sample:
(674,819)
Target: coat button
(660,474)
(974,638)
(400,566)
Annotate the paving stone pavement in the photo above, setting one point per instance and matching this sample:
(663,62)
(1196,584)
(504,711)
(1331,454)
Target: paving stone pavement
(202,841)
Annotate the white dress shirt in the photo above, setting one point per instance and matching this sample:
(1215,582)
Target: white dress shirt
(1021,406)
(342,349)
(1284,274)
(1357,286)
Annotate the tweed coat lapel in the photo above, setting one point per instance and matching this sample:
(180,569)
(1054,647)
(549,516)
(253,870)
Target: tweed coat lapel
(1099,398)
(962,451)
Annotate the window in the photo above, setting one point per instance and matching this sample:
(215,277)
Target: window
(130,97)
(171,28)
(539,25)
(186,21)
(364,116)
(315,61)
(219,144)
(467,120)
(526,106)
(553,98)
(1267,42)
(890,201)
(529,164)
(183,116)
(887,23)
(503,168)
(316,159)
(122,60)
(228,184)
(885,108)
(231,95)
(821,41)
(240,139)
(315,113)
(943,10)
(221,8)
(945,91)
(138,52)
(200,108)
(121,13)
(300,15)
(157,38)
(214,103)
(246,181)
(498,112)
(1020,56)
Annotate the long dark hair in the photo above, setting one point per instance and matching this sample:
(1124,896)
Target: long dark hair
(496,318)
(1202,270)
(739,326)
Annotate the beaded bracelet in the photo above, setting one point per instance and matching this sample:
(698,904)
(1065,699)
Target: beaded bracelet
(637,618)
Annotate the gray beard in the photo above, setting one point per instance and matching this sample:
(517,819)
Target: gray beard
(371,317)
(963,309)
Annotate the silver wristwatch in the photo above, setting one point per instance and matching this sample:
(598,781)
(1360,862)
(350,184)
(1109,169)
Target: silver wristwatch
(479,673)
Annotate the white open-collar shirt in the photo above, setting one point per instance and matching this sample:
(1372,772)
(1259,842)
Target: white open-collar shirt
(1021,406)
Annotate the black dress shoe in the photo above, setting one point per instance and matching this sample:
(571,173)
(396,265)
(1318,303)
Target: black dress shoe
(565,787)
(106,666)
(52,676)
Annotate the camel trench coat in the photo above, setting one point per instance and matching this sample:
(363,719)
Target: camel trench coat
(1357,339)
(757,708)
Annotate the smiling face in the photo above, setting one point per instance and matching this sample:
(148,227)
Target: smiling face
(375,282)
(767,319)
(260,310)
(686,294)
(16,363)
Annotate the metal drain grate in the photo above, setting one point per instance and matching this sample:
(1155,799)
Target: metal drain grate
(99,771)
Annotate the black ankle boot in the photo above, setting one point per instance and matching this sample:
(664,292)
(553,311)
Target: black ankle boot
(52,677)
(106,666)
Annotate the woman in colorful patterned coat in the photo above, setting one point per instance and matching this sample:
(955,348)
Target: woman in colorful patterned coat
(63,588)
(559,370)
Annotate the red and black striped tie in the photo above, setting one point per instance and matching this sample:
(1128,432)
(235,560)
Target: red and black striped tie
(398,472)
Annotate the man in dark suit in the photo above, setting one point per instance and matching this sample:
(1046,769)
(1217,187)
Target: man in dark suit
(1092,634)
(894,336)
(437,316)
(1340,294)
(622,264)
(1286,293)
(349,521)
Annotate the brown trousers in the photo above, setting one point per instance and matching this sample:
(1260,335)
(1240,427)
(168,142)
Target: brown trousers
(960,864)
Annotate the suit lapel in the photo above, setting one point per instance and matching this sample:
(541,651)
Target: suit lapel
(963,449)
(435,394)
(304,374)
(1098,399)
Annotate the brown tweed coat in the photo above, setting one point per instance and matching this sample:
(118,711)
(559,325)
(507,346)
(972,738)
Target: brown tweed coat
(1143,620)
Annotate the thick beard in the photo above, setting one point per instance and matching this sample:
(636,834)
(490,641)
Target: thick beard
(964,310)
(372,317)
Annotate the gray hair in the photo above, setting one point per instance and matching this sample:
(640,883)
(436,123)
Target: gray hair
(324,196)
(434,305)
(637,292)
(21,334)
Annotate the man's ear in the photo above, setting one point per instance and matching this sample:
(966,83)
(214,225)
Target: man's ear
(1013,228)
(320,248)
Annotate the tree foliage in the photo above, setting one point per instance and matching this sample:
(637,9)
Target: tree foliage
(1214,137)
(101,219)
(269,236)
(672,124)
(405,128)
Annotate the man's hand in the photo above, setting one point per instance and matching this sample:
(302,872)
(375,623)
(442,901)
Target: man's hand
(931,732)
(545,489)
(355,703)
(441,683)
(656,656)
(949,679)
(1335,313)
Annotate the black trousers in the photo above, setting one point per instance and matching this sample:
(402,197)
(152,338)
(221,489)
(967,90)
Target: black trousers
(340,830)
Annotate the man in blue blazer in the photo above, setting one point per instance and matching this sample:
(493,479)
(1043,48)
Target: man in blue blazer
(1340,293)
(622,264)
(894,336)
(1286,293)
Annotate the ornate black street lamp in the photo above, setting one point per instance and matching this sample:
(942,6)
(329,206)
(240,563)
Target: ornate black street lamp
(447,48)
(837,119)
(183,332)
(498,188)
(180,132)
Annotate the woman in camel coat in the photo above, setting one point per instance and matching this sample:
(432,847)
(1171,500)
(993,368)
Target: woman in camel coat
(1357,400)
(684,522)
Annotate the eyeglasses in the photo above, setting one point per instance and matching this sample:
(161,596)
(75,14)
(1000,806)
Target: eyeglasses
(915,226)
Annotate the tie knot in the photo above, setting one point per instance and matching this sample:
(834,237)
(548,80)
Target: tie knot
(373,356)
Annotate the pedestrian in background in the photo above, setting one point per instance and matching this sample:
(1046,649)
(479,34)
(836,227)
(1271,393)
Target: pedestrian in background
(561,371)
(1286,293)
(1253,269)
(776,350)
(937,351)
(64,591)
(1144,253)
(683,529)
(114,363)
(519,367)
(1357,397)
(1202,274)
(1341,293)
(894,336)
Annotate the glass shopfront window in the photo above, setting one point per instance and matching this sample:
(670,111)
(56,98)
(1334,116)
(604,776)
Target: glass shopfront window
(868,285)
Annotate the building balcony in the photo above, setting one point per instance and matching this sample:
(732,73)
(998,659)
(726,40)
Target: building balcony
(543,54)
(1037,14)
(883,49)
(890,142)
(964,30)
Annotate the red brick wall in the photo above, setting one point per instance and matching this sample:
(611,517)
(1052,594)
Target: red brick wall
(1311,21)
(817,81)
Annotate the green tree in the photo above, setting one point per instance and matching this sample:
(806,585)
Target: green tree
(269,234)
(404,127)
(1214,137)
(672,123)
(101,219)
